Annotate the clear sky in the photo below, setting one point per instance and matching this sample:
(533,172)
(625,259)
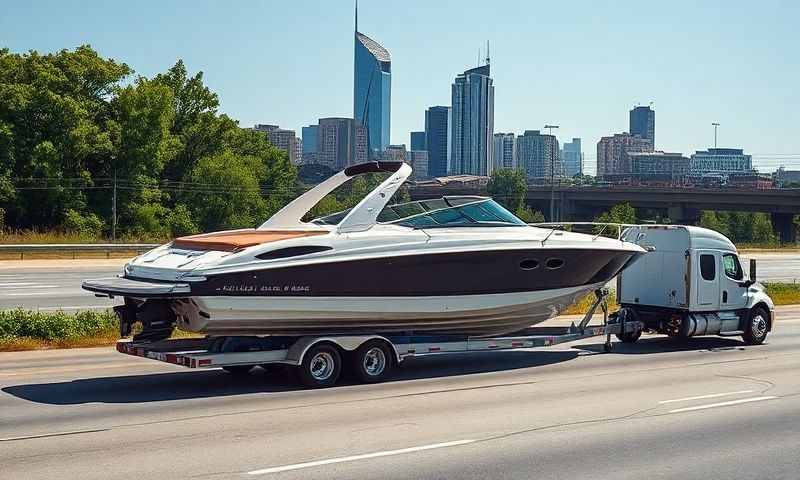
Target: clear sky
(578,64)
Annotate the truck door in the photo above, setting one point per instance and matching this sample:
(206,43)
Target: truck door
(708,291)
(732,295)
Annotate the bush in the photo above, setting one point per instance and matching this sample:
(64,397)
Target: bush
(55,325)
(87,225)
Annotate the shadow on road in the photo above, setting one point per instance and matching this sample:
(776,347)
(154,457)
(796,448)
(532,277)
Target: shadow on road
(663,344)
(216,383)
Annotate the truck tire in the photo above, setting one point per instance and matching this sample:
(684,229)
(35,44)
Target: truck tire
(373,361)
(321,367)
(630,315)
(756,330)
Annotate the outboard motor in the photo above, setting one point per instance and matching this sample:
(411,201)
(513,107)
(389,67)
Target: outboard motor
(156,316)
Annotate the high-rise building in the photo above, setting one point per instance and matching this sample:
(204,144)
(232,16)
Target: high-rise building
(720,160)
(612,153)
(281,138)
(341,142)
(372,90)
(643,123)
(418,141)
(438,140)
(309,141)
(472,123)
(537,155)
(417,159)
(298,147)
(505,150)
(572,158)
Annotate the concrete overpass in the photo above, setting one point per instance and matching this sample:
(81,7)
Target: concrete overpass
(681,205)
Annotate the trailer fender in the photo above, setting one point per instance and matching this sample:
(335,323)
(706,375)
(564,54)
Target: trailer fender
(347,343)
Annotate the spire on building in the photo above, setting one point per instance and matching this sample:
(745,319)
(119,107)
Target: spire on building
(487,52)
(356,16)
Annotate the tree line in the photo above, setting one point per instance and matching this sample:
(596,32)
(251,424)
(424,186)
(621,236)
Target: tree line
(77,130)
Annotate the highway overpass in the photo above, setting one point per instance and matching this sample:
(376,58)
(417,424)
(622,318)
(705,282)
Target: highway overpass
(681,205)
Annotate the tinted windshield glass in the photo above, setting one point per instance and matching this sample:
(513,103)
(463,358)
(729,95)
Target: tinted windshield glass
(477,213)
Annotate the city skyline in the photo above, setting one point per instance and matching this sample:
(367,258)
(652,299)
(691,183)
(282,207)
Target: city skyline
(678,73)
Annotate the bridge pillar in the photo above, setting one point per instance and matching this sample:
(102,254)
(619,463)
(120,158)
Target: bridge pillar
(681,215)
(783,223)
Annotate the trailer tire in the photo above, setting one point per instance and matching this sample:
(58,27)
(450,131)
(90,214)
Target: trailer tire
(238,370)
(321,366)
(630,315)
(757,327)
(373,361)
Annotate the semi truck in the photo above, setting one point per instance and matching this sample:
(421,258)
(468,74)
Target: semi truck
(691,283)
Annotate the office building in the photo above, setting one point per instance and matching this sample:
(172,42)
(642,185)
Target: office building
(372,90)
(505,150)
(309,140)
(612,153)
(418,141)
(472,123)
(572,158)
(438,140)
(418,159)
(340,142)
(720,160)
(643,123)
(537,155)
(658,166)
(281,138)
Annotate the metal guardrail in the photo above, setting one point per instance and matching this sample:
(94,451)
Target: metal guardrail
(74,248)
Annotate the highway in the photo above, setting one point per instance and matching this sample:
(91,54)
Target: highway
(711,408)
(55,284)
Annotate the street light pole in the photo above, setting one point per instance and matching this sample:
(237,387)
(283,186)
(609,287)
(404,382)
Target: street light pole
(552,175)
(715,133)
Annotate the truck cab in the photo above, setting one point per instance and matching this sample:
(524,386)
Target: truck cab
(691,282)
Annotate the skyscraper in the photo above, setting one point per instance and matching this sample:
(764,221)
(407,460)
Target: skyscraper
(643,123)
(418,141)
(472,122)
(537,154)
(341,142)
(437,140)
(572,158)
(372,90)
(505,150)
(281,138)
(309,141)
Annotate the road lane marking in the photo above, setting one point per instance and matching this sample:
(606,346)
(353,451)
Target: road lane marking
(723,404)
(386,453)
(29,294)
(56,434)
(703,397)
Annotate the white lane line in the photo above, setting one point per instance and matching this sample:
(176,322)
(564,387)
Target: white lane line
(298,466)
(723,404)
(76,307)
(27,294)
(17,284)
(703,397)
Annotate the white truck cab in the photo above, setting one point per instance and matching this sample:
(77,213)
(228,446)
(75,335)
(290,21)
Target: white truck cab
(691,282)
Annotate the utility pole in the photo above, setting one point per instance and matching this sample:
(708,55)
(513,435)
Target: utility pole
(552,175)
(114,208)
(715,133)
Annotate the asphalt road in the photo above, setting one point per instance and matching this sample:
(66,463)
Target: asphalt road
(55,284)
(712,409)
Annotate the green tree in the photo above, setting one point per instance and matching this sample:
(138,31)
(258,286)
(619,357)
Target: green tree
(715,221)
(528,215)
(509,188)
(619,213)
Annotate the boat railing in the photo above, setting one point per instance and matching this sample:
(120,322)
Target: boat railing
(599,228)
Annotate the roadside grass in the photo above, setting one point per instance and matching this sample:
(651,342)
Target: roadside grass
(57,236)
(32,330)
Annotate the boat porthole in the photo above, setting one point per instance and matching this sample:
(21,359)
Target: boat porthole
(529,264)
(554,263)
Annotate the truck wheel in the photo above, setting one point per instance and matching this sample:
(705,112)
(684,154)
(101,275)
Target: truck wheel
(238,370)
(756,331)
(373,361)
(630,315)
(321,367)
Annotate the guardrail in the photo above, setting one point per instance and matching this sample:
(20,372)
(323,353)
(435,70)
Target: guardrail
(74,248)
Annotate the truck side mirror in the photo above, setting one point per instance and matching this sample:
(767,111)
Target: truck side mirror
(752,269)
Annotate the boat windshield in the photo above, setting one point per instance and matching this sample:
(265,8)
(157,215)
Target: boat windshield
(438,213)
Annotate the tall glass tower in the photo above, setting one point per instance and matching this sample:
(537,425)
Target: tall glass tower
(372,90)
(472,123)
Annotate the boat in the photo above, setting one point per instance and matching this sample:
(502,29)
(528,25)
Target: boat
(454,265)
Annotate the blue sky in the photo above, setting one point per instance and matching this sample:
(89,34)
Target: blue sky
(578,64)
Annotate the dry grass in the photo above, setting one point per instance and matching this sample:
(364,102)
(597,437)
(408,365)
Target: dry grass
(586,302)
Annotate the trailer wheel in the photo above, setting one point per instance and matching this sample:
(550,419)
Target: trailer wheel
(321,367)
(238,370)
(756,331)
(373,361)
(628,315)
